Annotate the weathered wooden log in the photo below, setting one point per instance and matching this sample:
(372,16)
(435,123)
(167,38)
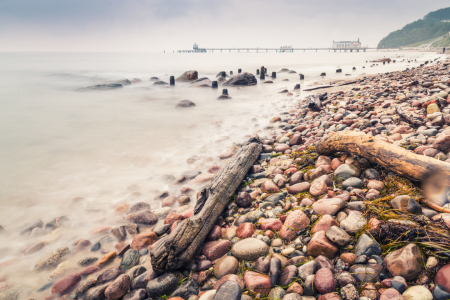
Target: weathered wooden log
(177,249)
(401,161)
(318,88)
(409,118)
(314,103)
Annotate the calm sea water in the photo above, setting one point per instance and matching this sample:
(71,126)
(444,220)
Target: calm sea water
(113,147)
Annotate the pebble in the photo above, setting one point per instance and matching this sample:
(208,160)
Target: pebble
(249,249)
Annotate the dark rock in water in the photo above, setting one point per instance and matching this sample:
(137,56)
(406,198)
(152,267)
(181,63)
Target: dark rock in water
(120,233)
(241,79)
(143,217)
(202,82)
(297,86)
(16,293)
(28,227)
(87,261)
(136,80)
(185,103)
(162,285)
(84,286)
(45,287)
(160,82)
(96,247)
(138,207)
(187,289)
(323,74)
(190,174)
(188,76)
(96,293)
(109,274)
(302,77)
(274,271)
(52,259)
(130,259)
(224,97)
(56,223)
(154,78)
(141,281)
(229,290)
(118,288)
(120,81)
(109,86)
(135,295)
(292,72)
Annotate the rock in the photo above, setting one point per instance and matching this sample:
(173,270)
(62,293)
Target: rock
(407,204)
(241,79)
(345,278)
(349,292)
(52,259)
(324,223)
(345,171)
(185,103)
(89,270)
(143,240)
(28,227)
(230,290)
(214,250)
(108,86)
(257,283)
(354,222)
(87,261)
(324,281)
(139,294)
(66,284)
(353,182)
(249,249)
(109,274)
(367,246)
(262,265)
(295,140)
(271,224)
(439,293)
(296,221)
(135,272)
(318,188)
(338,236)
(226,265)
(406,262)
(96,293)
(432,108)
(443,277)
(140,282)
(328,206)
(288,275)
(295,288)
(85,286)
(320,245)
(348,258)
(188,76)
(418,292)
(106,258)
(391,294)
(269,187)
(309,289)
(297,177)
(243,199)
(299,188)
(245,230)
(202,82)
(188,288)
(366,273)
(143,217)
(274,269)
(138,207)
(230,277)
(118,288)
(130,259)
(276,293)
(162,285)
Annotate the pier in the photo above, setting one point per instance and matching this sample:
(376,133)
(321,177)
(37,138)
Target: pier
(264,50)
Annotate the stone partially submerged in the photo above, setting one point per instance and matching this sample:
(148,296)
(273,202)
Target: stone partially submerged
(188,76)
(241,79)
(185,103)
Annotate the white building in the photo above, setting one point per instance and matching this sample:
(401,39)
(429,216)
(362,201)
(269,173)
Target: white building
(347,44)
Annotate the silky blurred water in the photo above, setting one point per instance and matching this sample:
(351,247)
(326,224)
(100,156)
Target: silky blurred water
(111,147)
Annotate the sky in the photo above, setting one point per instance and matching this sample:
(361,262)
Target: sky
(158,25)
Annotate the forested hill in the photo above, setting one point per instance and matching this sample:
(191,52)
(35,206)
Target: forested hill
(428,28)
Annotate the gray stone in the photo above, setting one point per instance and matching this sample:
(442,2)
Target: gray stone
(354,222)
(307,269)
(371,174)
(349,292)
(338,236)
(229,290)
(407,204)
(162,285)
(249,249)
(345,171)
(292,296)
(186,289)
(367,246)
(354,182)
(277,293)
(366,273)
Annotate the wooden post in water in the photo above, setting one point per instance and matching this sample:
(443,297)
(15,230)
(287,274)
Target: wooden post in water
(257,71)
(239,70)
(262,77)
(225,92)
(172,80)
(223,74)
(214,85)
(274,75)
(302,77)
(231,72)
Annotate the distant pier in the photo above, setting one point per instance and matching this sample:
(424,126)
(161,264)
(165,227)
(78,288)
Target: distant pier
(204,50)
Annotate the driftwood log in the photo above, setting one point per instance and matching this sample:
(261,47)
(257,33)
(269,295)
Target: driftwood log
(432,173)
(401,161)
(178,248)
(409,118)
(318,88)
(314,103)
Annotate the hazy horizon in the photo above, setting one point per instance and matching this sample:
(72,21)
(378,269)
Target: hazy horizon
(156,25)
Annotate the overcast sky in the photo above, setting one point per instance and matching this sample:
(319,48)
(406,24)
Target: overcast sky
(157,25)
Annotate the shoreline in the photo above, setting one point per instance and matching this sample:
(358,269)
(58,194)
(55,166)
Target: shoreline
(273,167)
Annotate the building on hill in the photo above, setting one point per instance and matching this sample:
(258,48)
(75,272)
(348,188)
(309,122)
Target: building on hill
(347,44)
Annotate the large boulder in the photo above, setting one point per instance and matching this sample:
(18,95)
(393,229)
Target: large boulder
(241,79)
(202,82)
(188,76)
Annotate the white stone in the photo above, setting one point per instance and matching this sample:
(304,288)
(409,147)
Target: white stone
(417,292)
(209,295)
(431,262)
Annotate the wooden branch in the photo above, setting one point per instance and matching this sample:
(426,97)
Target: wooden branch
(347,83)
(318,88)
(394,158)
(177,249)
(411,119)
(314,103)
